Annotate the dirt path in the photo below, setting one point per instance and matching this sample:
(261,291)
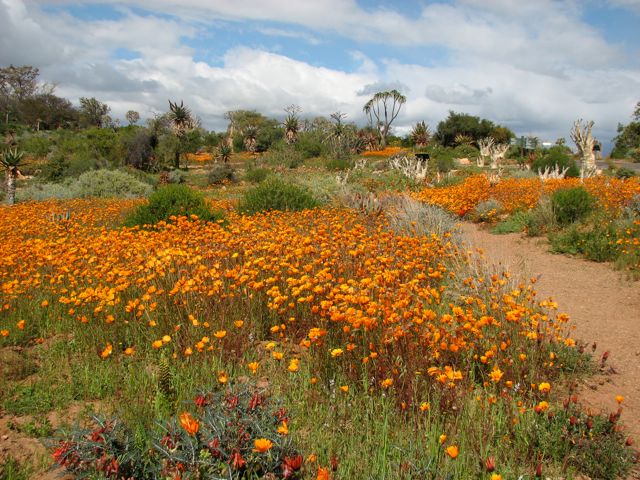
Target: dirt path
(602,304)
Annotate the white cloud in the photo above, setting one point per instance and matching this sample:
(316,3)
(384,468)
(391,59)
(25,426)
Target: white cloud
(533,66)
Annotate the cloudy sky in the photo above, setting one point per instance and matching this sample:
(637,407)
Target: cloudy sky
(534,66)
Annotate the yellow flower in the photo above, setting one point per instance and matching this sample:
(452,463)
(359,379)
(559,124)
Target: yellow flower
(188,351)
(452,451)
(336,352)
(253,366)
(220,334)
(496,476)
(283,429)
(238,323)
(442,438)
(277,355)
(619,399)
(424,406)
(223,378)
(45,303)
(386,383)
(20,325)
(107,351)
(345,388)
(496,374)
(129,351)
(166,339)
(262,445)
(544,387)
(294,365)
(190,424)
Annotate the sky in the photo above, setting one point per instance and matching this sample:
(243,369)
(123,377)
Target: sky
(534,66)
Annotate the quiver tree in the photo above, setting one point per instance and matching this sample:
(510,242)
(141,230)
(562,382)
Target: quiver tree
(11,160)
(384,107)
(250,134)
(583,138)
(231,129)
(420,134)
(291,124)
(498,151)
(181,123)
(485,145)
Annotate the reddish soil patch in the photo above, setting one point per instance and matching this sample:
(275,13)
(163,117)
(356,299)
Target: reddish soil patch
(603,305)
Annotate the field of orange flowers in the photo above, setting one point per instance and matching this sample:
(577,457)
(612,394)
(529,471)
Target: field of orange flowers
(524,193)
(326,305)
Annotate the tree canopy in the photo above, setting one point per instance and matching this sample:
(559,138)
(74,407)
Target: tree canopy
(470,126)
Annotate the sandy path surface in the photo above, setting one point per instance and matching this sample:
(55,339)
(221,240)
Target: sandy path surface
(603,305)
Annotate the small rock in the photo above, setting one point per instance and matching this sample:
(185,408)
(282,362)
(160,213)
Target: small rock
(5,437)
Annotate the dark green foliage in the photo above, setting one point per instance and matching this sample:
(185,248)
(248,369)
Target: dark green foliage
(310,144)
(178,200)
(284,155)
(465,124)
(623,172)
(556,155)
(572,204)
(165,380)
(627,141)
(35,145)
(256,175)
(466,151)
(276,194)
(595,242)
(139,151)
(220,174)
(336,164)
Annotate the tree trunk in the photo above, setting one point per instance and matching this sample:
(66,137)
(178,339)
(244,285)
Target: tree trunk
(11,187)
(176,159)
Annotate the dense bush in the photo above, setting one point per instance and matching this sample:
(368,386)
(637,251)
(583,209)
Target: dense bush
(556,155)
(110,184)
(572,204)
(594,242)
(220,174)
(177,176)
(310,145)
(276,194)
(172,200)
(256,175)
(623,173)
(98,183)
(284,155)
(139,151)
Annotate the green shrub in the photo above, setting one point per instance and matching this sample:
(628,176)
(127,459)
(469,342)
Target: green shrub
(572,204)
(336,164)
(276,194)
(540,219)
(109,184)
(220,174)
(623,173)
(514,223)
(172,200)
(284,155)
(256,175)
(594,242)
(556,155)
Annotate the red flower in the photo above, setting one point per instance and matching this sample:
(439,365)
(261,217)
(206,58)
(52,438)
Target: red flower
(290,465)
(214,447)
(256,401)
(236,460)
(201,401)
(490,464)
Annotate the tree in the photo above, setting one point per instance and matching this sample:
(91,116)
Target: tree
(133,117)
(291,124)
(627,142)
(181,123)
(47,111)
(11,160)
(583,138)
(420,134)
(474,127)
(384,107)
(18,82)
(93,112)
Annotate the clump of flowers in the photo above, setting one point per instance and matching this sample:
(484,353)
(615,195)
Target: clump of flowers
(236,433)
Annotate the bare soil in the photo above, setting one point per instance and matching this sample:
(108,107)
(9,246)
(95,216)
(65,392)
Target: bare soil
(603,304)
